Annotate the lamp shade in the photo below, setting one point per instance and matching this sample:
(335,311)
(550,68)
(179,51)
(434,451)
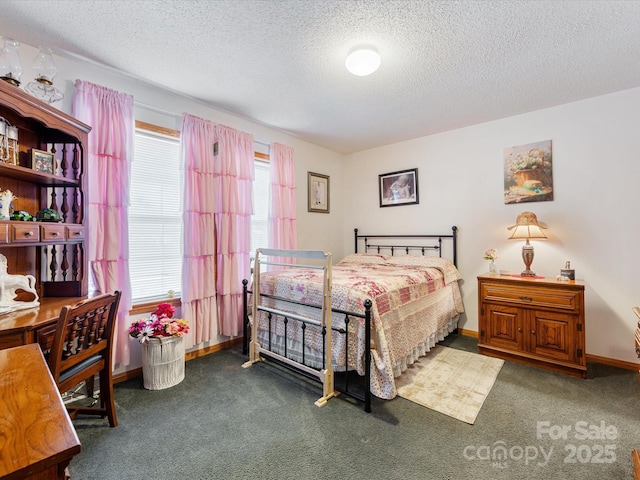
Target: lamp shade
(527,226)
(44,66)
(10,66)
(363,61)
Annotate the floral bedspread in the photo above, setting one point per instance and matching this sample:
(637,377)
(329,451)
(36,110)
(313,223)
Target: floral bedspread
(413,299)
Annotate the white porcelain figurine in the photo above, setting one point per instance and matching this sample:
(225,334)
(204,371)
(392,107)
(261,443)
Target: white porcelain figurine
(6,198)
(8,286)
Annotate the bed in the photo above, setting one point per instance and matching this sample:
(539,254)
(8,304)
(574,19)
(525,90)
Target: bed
(385,306)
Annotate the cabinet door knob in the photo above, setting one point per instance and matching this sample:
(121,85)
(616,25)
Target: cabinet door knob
(533,332)
(526,299)
(28,234)
(55,234)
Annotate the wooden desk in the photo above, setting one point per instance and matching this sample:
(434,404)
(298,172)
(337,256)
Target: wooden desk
(37,437)
(34,324)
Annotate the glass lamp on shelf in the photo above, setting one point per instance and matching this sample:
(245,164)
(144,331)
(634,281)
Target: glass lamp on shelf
(10,66)
(46,70)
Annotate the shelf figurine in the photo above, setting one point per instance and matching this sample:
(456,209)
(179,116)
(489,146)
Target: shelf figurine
(6,198)
(9,284)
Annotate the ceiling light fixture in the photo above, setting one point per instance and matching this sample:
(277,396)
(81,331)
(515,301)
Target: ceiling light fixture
(363,61)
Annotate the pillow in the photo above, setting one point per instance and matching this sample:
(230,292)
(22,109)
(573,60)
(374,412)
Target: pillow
(365,258)
(451,273)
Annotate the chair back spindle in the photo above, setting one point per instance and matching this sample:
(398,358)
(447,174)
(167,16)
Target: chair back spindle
(82,347)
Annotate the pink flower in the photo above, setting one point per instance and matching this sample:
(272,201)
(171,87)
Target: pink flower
(159,324)
(491,254)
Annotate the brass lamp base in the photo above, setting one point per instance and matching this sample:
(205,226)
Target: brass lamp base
(527,257)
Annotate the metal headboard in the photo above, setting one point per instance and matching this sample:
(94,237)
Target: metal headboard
(435,244)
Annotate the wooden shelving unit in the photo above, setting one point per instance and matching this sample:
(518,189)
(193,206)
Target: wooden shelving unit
(54,253)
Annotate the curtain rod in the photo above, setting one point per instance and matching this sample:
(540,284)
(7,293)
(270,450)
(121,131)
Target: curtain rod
(176,115)
(156,109)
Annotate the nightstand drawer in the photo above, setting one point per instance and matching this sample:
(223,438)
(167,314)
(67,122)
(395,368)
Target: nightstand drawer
(531,295)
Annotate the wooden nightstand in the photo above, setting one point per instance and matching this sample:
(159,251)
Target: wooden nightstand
(536,321)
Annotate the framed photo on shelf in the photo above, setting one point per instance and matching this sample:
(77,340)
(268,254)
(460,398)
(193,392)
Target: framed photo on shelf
(42,161)
(398,188)
(318,192)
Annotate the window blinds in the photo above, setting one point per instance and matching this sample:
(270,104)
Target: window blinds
(155,216)
(260,217)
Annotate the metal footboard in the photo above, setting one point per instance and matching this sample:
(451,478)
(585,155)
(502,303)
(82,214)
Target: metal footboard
(325,374)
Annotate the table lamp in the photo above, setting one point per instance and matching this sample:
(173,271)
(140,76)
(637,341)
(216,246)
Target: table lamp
(527,227)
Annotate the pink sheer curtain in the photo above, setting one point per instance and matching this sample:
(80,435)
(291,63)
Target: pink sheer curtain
(198,265)
(234,173)
(109,153)
(282,211)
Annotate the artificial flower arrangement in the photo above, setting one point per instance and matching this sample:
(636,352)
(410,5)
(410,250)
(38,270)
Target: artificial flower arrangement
(491,254)
(160,324)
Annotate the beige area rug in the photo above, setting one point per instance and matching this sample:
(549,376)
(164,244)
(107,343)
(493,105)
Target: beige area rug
(450,381)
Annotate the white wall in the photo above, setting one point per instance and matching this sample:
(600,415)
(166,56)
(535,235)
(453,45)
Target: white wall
(593,220)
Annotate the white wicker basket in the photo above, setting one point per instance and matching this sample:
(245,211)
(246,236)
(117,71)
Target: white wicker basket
(162,362)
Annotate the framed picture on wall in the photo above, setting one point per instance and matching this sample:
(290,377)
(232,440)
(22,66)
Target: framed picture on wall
(528,173)
(398,188)
(318,192)
(42,161)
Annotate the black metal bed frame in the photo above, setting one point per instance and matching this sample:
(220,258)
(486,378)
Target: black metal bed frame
(345,387)
(408,248)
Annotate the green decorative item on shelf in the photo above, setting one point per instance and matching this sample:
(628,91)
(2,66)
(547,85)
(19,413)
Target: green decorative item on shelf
(21,215)
(48,215)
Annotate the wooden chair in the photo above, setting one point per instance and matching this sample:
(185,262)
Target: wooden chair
(82,348)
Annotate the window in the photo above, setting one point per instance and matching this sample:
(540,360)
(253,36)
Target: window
(155,216)
(260,217)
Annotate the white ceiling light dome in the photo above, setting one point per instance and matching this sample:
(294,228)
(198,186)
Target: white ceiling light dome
(363,60)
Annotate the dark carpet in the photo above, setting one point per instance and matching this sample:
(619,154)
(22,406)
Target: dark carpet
(227,422)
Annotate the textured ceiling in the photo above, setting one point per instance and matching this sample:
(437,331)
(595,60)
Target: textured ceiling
(445,64)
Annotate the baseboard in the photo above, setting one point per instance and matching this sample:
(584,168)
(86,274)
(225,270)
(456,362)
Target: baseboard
(611,362)
(128,375)
(468,333)
(201,352)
